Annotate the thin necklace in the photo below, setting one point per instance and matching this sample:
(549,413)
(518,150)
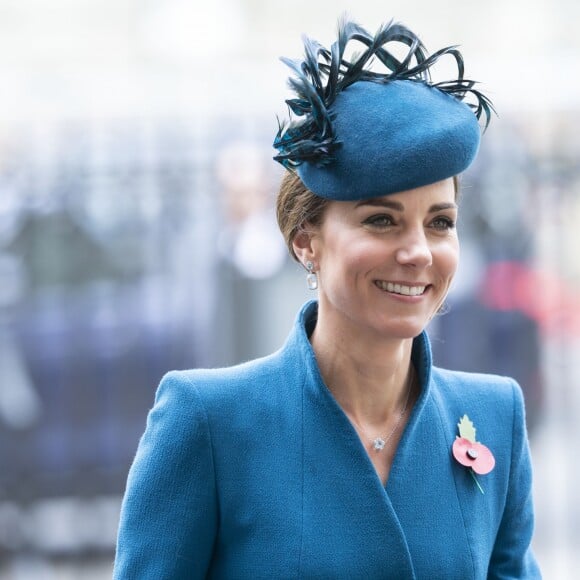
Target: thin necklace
(379,443)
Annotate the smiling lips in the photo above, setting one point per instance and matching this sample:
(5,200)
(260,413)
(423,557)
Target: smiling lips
(402,289)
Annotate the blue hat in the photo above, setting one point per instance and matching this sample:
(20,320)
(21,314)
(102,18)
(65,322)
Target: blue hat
(357,133)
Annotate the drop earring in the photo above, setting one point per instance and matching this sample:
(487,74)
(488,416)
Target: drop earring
(311,278)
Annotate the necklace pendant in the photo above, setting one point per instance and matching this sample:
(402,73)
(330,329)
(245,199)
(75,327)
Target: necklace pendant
(379,444)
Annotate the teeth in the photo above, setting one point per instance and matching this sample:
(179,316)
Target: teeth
(401,289)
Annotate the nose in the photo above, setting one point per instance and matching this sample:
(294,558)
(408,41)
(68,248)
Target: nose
(414,249)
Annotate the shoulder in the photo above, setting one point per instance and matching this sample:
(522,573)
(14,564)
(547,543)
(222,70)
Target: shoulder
(494,403)
(257,380)
(477,387)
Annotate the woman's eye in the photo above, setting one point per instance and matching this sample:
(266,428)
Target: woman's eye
(443,223)
(379,221)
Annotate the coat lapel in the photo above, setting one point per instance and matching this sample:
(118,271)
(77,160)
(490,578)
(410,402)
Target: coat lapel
(422,484)
(344,502)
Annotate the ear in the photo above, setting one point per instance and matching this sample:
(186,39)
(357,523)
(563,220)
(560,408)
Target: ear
(302,245)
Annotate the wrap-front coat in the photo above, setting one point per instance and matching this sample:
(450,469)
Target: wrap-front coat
(255,472)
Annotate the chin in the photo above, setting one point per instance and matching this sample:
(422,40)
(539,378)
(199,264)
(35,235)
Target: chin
(401,331)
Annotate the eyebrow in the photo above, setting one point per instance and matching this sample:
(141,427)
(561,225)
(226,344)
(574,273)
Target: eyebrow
(442,206)
(397,206)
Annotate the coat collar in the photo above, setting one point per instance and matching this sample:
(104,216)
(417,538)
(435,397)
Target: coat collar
(304,325)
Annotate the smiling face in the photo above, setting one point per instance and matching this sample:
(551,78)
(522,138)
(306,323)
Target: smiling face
(384,265)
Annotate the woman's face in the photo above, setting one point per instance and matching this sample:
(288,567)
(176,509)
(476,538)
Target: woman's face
(385,265)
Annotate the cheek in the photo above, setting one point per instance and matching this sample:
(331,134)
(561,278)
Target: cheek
(339,250)
(449,259)
(356,258)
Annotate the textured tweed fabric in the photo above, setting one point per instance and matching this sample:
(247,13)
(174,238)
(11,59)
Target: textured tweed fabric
(254,472)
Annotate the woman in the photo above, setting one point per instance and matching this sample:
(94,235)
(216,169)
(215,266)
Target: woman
(346,454)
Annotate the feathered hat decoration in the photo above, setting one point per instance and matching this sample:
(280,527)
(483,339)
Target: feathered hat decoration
(355,132)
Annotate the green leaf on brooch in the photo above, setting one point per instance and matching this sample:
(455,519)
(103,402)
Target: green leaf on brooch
(466,429)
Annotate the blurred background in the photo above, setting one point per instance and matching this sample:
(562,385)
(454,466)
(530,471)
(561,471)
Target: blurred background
(137,235)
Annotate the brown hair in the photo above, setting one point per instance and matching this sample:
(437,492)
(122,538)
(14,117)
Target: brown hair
(296,205)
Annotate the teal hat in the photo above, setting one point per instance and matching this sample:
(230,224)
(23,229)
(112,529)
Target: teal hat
(357,133)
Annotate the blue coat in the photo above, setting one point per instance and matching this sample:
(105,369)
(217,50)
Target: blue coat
(254,472)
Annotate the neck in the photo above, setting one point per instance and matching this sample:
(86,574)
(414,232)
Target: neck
(368,376)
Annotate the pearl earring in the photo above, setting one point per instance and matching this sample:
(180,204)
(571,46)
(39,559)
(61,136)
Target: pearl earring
(311,278)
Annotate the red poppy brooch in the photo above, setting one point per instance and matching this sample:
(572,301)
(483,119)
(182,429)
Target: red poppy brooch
(467,451)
